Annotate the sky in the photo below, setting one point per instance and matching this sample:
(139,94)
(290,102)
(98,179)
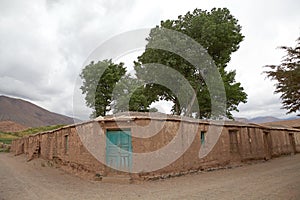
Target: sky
(45,44)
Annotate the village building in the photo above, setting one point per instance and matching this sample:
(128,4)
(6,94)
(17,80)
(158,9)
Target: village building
(143,147)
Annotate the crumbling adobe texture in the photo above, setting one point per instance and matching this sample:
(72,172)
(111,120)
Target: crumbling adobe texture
(238,142)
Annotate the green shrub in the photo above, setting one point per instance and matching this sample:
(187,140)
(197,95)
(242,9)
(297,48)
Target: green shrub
(7,138)
(31,131)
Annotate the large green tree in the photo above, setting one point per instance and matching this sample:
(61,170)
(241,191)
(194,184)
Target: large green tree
(129,95)
(287,75)
(99,80)
(107,88)
(220,34)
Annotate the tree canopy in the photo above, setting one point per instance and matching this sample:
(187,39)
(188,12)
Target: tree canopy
(220,34)
(108,88)
(287,75)
(99,80)
(129,95)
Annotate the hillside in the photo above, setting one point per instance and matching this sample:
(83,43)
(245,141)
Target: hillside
(9,126)
(286,123)
(265,119)
(262,119)
(28,114)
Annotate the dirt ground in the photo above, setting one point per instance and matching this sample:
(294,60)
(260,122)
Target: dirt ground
(276,179)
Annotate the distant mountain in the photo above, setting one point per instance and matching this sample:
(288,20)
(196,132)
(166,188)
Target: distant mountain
(295,123)
(260,120)
(239,119)
(28,114)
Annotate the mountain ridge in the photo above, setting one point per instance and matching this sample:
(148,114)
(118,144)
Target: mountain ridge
(29,114)
(263,119)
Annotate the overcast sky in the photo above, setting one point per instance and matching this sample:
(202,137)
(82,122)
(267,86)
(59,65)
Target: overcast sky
(44,44)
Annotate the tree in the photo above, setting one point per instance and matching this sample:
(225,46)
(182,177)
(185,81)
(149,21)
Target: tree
(107,88)
(129,95)
(220,34)
(99,80)
(287,75)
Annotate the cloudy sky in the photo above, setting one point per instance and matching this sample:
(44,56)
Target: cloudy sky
(44,44)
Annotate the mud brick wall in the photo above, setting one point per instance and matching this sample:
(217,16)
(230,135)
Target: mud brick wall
(237,143)
(280,143)
(297,141)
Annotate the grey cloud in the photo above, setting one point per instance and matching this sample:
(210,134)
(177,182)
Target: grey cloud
(44,44)
(18,88)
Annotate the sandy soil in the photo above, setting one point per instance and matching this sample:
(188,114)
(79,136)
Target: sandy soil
(276,179)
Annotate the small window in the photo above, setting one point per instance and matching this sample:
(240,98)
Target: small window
(202,137)
(66,138)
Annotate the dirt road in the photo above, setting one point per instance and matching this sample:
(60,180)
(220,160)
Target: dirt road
(275,179)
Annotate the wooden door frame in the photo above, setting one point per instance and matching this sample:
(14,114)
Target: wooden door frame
(109,170)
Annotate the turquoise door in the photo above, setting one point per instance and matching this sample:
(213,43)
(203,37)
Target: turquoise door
(119,150)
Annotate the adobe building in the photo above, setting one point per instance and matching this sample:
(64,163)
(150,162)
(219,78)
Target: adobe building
(145,147)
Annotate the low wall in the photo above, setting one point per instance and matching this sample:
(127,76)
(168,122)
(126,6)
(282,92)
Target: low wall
(237,143)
